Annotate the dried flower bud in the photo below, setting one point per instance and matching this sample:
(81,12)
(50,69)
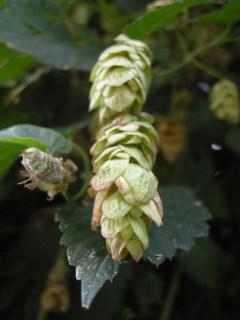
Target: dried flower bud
(172,139)
(121,78)
(126,189)
(224,101)
(45,172)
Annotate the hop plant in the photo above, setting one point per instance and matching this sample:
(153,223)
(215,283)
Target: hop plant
(121,78)
(126,189)
(45,172)
(224,101)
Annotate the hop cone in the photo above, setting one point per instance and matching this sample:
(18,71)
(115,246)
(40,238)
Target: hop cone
(126,189)
(224,101)
(45,172)
(121,78)
(172,138)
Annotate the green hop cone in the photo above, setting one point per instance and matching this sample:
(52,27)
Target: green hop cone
(224,101)
(126,137)
(126,189)
(45,172)
(121,78)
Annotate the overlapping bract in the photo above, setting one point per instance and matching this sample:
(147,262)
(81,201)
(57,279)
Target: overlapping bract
(126,189)
(121,78)
(224,101)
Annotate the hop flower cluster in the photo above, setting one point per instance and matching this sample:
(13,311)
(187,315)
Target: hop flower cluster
(121,78)
(45,172)
(224,101)
(126,197)
(126,189)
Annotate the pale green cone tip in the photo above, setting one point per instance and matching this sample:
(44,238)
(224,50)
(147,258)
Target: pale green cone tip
(121,78)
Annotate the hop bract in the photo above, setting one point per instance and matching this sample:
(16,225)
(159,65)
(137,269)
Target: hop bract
(45,172)
(121,78)
(126,189)
(224,101)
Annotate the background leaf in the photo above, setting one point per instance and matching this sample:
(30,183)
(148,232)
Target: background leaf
(14,139)
(229,13)
(87,251)
(159,18)
(12,64)
(38,28)
(184,219)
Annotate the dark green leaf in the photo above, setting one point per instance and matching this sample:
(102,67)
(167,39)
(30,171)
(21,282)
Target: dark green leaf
(229,13)
(14,139)
(38,28)
(184,219)
(12,64)
(87,251)
(233,140)
(8,155)
(159,18)
(27,134)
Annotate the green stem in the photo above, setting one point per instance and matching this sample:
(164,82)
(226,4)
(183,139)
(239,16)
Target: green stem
(190,57)
(78,150)
(213,73)
(166,313)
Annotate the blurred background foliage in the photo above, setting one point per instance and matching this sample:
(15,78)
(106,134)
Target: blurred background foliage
(47,49)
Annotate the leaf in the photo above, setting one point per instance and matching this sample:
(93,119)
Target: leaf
(14,139)
(38,28)
(87,251)
(12,64)
(232,139)
(8,155)
(159,18)
(229,13)
(184,219)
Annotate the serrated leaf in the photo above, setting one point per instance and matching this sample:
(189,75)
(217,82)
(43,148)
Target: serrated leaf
(160,18)
(87,251)
(14,139)
(229,13)
(184,219)
(38,27)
